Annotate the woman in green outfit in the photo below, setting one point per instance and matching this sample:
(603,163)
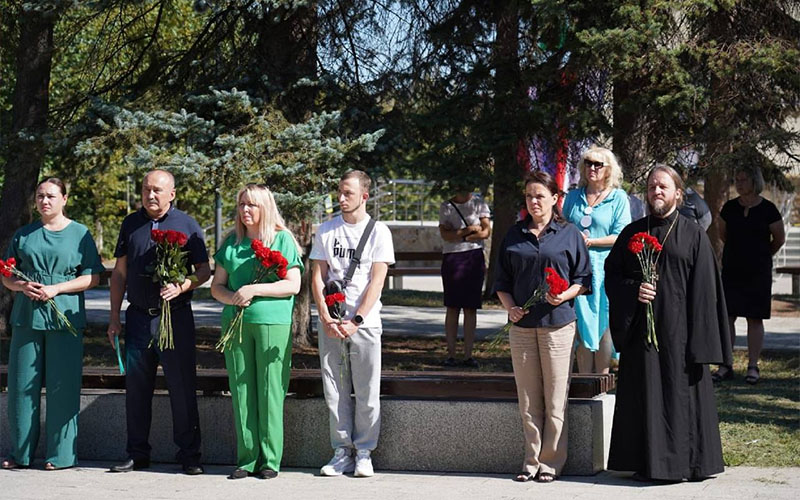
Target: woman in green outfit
(259,365)
(61,257)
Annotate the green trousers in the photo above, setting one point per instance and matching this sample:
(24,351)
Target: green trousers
(258,375)
(57,357)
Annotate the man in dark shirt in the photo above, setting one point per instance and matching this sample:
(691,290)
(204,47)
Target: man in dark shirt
(135,253)
(694,206)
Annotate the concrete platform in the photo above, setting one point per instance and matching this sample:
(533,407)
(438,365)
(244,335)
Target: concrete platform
(92,482)
(416,434)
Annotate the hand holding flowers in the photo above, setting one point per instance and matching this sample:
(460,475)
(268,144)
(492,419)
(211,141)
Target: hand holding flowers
(647,248)
(169,272)
(550,289)
(36,291)
(272,266)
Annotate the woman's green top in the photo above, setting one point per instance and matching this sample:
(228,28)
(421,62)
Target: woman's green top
(51,257)
(240,263)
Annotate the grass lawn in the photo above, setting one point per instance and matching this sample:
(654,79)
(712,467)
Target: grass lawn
(760,424)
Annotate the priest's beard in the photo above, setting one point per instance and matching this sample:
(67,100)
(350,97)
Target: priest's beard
(662,207)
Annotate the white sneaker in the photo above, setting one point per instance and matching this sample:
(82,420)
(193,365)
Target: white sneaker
(364,464)
(341,463)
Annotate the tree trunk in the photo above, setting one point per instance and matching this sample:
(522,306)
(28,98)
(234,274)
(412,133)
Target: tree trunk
(286,52)
(28,124)
(718,142)
(629,134)
(508,99)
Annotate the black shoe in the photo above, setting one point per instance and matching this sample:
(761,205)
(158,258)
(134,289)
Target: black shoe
(449,362)
(193,470)
(131,465)
(267,474)
(238,473)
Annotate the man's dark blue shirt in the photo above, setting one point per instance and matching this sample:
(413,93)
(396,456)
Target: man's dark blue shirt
(134,242)
(521,262)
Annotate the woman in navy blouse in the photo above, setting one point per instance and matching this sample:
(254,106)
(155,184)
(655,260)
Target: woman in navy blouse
(543,336)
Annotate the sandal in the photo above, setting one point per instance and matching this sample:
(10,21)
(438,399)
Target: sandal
(52,466)
(752,379)
(722,373)
(545,477)
(10,463)
(524,477)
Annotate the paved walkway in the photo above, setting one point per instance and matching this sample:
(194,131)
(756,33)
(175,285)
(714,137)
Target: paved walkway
(92,482)
(781,332)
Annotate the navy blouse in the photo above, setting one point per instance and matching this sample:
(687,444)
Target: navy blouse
(521,262)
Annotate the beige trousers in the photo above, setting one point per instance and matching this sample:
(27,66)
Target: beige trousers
(542,360)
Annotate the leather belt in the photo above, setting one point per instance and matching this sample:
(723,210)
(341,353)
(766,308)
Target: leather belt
(156,311)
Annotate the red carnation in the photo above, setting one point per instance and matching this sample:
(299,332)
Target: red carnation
(11,262)
(557,285)
(334,298)
(281,272)
(635,246)
(5,268)
(646,248)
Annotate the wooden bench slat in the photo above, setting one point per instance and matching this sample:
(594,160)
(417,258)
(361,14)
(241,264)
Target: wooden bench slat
(408,384)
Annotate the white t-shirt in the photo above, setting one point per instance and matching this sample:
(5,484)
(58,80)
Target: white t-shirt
(473,211)
(336,242)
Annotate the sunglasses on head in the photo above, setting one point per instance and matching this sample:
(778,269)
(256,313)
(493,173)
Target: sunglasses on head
(593,164)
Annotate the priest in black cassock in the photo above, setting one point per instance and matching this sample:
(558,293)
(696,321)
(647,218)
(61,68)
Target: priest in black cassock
(665,420)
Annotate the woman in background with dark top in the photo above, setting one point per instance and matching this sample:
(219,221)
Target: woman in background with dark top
(752,229)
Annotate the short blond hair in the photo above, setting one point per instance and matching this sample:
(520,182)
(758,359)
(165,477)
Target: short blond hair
(596,153)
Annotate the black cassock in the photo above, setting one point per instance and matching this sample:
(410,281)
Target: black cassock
(665,420)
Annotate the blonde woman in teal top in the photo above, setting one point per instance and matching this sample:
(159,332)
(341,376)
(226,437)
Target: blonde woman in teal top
(59,255)
(259,365)
(600,209)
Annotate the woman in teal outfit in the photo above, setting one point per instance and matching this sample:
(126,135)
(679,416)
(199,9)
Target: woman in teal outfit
(259,365)
(600,209)
(59,255)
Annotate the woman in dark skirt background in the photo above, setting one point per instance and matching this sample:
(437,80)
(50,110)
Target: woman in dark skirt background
(752,229)
(464,225)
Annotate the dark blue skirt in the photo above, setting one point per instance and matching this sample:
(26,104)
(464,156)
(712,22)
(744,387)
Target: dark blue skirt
(462,278)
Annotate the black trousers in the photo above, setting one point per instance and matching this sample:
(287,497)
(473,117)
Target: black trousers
(179,364)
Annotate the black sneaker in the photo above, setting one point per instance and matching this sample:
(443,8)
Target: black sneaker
(449,362)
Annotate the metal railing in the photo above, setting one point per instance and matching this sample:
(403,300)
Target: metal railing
(393,200)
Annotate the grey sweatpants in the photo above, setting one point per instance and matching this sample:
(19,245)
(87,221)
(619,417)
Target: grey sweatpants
(352,364)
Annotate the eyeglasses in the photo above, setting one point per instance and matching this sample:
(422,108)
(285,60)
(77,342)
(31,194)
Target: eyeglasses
(594,165)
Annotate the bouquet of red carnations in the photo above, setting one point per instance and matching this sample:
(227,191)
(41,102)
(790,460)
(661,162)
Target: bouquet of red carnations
(646,248)
(335,303)
(170,268)
(271,267)
(8,268)
(552,283)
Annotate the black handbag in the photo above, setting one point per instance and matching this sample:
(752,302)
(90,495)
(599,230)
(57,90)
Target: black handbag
(337,309)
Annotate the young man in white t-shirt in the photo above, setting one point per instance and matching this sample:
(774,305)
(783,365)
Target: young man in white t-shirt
(350,348)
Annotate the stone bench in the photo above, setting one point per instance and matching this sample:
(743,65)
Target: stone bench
(795,272)
(396,273)
(431,421)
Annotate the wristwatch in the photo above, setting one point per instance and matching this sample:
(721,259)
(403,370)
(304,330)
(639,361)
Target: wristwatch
(358,319)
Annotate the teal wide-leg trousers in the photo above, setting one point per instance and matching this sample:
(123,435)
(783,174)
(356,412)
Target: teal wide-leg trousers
(55,358)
